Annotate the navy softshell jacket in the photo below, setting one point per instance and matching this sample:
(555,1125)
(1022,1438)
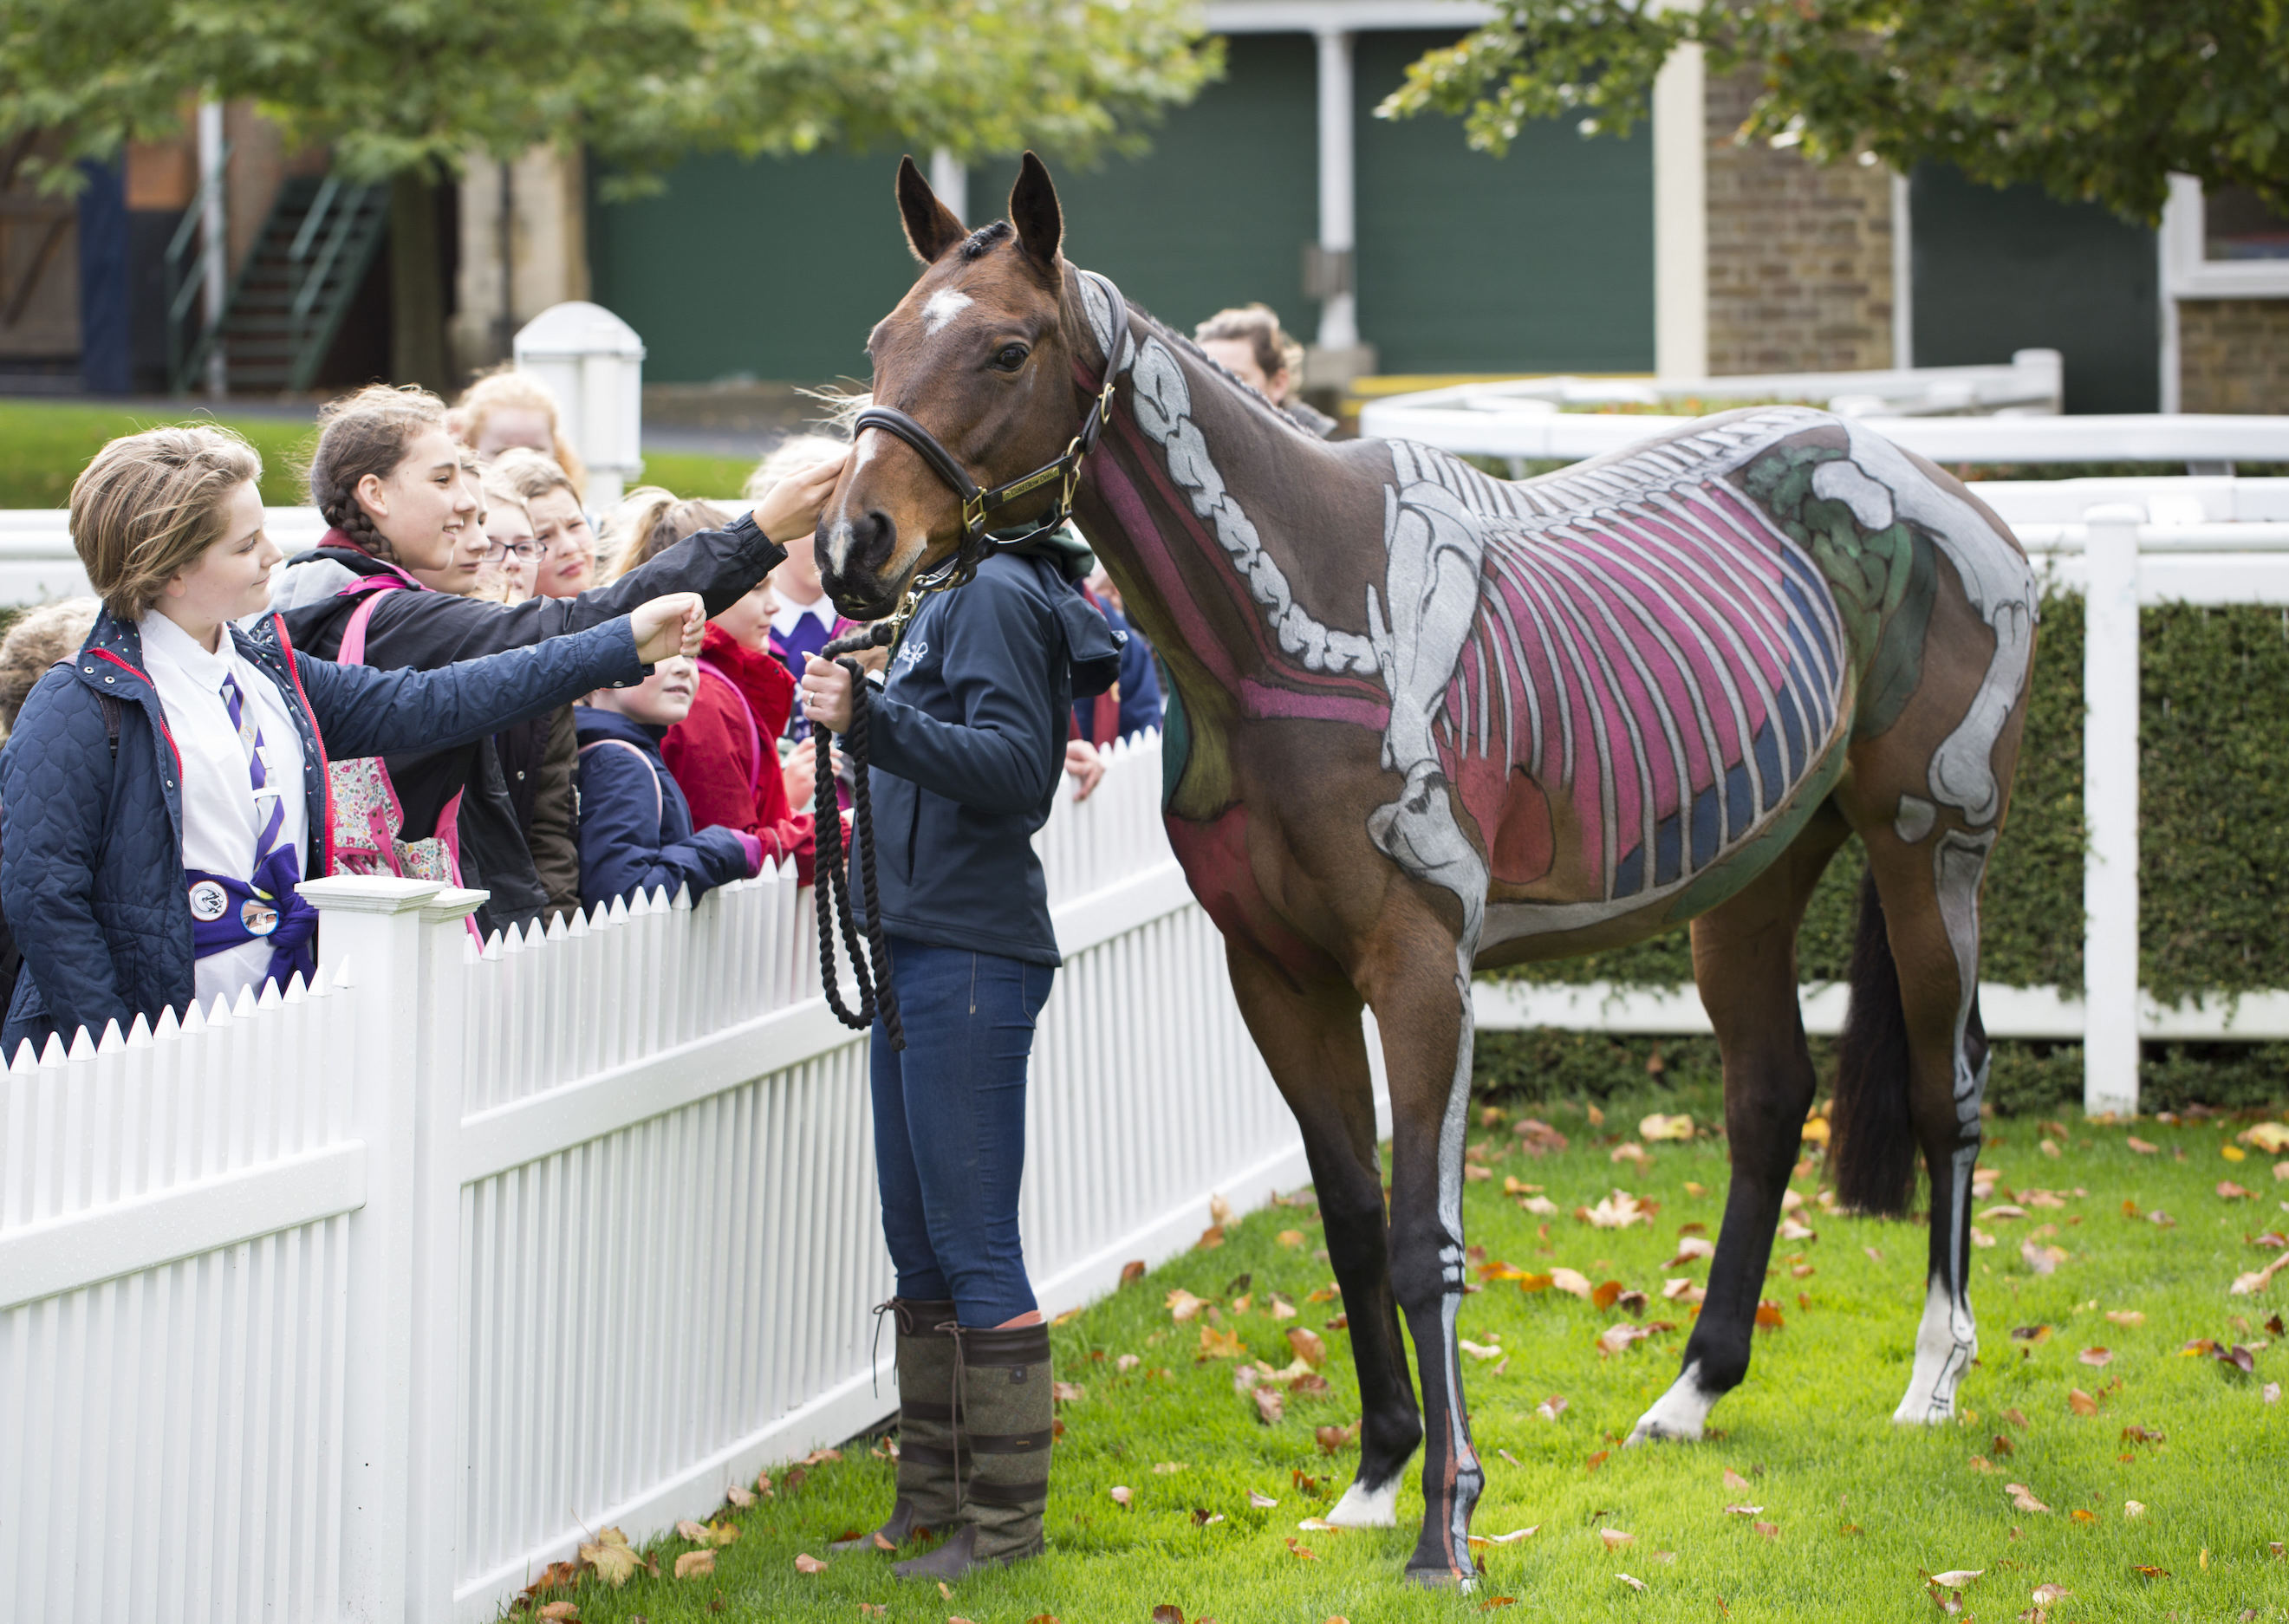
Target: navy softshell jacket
(91,837)
(635,825)
(967,742)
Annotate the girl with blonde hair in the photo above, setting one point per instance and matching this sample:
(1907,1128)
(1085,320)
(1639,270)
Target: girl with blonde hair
(166,790)
(505,409)
(566,564)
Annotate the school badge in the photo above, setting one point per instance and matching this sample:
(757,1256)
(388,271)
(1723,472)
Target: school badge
(209,901)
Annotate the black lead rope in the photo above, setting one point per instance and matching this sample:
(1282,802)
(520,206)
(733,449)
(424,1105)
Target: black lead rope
(870,970)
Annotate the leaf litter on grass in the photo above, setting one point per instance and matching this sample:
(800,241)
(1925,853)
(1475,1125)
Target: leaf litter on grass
(1817,1403)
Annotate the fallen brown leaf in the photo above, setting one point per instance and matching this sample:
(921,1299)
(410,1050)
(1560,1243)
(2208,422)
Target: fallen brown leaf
(2081,1402)
(1635,1583)
(1733,1480)
(611,1558)
(1769,1530)
(1271,1409)
(2142,1147)
(1167,1613)
(1616,1539)
(2097,1358)
(1183,1305)
(2125,1317)
(1067,1392)
(1300,1550)
(2023,1497)
(1260,1500)
(1307,1346)
(701,1564)
(1121,1495)
(560,1612)
(1335,1440)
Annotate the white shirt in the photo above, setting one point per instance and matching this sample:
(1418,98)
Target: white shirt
(819,609)
(220,821)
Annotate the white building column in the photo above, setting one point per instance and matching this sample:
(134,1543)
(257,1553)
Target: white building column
(1338,182)
(950,180)
(1680,218)
(214,240)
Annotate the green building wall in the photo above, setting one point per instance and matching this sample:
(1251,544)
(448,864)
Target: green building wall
(776,268)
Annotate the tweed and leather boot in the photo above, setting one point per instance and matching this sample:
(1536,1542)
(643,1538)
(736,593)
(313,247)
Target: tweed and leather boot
(1003,1432)
(928,1494)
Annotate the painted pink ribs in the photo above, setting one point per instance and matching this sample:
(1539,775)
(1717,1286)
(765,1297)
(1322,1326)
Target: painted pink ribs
(1667,666)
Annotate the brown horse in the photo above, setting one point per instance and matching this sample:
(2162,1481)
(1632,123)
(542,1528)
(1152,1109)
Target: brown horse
(1424,721)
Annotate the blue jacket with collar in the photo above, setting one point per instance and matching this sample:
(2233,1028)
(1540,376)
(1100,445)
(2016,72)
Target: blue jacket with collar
(91,835)
(967,743)
(635,825)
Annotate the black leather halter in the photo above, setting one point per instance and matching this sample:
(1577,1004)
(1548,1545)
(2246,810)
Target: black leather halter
(979,504)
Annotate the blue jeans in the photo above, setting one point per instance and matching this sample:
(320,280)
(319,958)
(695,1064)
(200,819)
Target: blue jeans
(950,1125)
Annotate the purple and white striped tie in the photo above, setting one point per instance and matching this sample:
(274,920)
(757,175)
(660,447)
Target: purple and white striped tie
(257,769)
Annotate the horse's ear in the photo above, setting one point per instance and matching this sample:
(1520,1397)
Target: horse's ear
(1034,210)
(931,227)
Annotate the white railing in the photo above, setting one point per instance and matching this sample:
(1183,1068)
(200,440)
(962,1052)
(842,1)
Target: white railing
(1524,418)
(359,1303)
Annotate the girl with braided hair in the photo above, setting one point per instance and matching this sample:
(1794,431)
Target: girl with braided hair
(389,480)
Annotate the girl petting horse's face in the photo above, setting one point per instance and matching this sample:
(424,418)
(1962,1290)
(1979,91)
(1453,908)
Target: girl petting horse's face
(978,352)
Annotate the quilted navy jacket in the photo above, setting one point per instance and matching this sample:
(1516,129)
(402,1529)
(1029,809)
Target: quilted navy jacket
(91,840)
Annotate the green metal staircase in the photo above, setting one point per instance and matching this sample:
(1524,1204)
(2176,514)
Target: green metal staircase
(289,298)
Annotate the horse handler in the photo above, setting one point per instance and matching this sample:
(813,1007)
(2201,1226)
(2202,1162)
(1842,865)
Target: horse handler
(966,739)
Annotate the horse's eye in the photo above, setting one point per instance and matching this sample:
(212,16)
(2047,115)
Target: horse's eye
(1010,357)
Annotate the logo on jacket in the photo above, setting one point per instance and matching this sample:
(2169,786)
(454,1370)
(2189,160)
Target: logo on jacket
(913,654)
(209,901)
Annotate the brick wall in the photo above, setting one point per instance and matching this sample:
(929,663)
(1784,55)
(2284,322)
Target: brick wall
(1799,255)
(2233,354)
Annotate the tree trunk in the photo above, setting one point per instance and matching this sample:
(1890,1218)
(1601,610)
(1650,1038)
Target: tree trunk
(417,282)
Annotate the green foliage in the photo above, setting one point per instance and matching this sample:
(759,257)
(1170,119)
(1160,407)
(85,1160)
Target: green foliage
(1861,1509)
(416,85)
(2092,100)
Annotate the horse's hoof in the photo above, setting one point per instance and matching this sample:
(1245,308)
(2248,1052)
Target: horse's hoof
(1441,1579)
(1364,1507)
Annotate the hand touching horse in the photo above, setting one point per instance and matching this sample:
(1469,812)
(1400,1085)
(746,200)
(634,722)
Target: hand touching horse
(1425,721)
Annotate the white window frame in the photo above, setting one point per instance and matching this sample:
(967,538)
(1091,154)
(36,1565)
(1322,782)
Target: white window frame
(2189,274)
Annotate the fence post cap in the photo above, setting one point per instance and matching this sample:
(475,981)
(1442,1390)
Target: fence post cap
(576,327)
(370,893)
(454,902)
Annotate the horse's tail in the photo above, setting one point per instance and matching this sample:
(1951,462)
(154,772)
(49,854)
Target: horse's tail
(1872,1140)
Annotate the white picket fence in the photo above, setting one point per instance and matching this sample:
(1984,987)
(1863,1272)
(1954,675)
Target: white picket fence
(359,1303)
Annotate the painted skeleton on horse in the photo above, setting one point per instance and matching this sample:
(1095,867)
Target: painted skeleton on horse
(1426,723)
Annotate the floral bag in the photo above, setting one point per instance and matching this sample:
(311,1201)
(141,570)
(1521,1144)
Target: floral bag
(369,820)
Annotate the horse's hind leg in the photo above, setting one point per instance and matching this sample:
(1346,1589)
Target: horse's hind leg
(1311,1039)
(1912,1071)
(1744,962)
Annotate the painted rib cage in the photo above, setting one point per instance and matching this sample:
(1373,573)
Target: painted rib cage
(1650,648)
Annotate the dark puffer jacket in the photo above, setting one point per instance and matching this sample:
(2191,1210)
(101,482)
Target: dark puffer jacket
(427,629)
(635,826)
(91,836)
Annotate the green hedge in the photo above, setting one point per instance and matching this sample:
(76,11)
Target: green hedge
(2024,1079)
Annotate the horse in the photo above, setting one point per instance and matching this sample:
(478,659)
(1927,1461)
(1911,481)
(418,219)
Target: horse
(1424,721)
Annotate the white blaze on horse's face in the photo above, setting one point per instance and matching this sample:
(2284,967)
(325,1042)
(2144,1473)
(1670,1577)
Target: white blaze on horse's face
(943,305)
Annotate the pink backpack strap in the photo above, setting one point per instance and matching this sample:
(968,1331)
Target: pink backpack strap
(659,796)
(754,733)
(353,649)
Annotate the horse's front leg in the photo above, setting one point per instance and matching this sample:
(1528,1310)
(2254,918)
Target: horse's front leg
(1419,987)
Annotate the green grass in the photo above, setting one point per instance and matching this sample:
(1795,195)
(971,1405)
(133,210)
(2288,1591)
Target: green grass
(1863,1509)
(44,445)
(689,475)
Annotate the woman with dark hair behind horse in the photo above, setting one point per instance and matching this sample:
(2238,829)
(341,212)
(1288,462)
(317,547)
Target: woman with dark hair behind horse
(1424,722)
(967,743)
